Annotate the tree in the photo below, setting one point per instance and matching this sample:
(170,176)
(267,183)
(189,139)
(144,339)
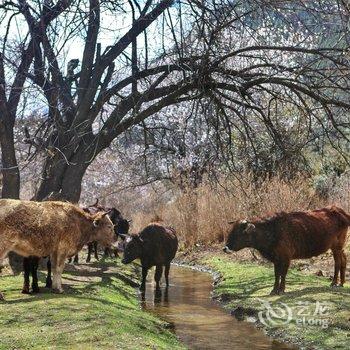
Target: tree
(244,58)
(11,91)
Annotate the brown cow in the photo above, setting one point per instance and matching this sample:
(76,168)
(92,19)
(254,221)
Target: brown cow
(55,229)
(156,245)
(296,235)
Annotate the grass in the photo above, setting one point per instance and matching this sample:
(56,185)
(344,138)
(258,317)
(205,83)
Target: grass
(246,286)
(98,311)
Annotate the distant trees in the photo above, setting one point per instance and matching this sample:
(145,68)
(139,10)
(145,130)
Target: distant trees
(102,68)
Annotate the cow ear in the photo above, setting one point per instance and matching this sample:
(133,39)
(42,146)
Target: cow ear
(250,228)
(96,222)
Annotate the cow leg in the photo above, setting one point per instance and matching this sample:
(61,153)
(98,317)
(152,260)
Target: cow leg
(337,264)
(90,246)
(167,269)
(3,254)
(276,286)
(57,267)
(95,250)
(76,259)
(158,275)
(26,269)
(48,277)
(34,271)
(106,253)
(144,276)
(283,271)
(342,268)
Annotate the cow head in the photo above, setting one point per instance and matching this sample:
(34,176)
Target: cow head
(133,246)
(240,236)
(103,229)
(122,228)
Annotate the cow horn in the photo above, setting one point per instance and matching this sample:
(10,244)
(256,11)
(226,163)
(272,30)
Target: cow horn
(106,213)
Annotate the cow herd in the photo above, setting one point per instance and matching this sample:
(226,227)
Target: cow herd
(59,230)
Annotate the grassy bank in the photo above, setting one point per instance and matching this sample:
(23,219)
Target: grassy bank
(99,310)
(245,287)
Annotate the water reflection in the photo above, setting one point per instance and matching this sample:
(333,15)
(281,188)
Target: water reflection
(197,320)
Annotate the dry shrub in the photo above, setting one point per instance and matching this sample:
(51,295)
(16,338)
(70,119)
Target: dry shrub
(340,193)
(201,215)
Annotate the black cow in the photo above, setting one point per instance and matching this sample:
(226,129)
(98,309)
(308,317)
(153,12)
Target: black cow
(156,245)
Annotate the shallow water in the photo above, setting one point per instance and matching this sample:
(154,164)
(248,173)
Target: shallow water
(197,320)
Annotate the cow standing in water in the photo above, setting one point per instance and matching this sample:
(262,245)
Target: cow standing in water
(54,229)
(156,245)
(296,235)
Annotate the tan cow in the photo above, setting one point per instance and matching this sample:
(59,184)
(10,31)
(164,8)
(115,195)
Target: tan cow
(55,229)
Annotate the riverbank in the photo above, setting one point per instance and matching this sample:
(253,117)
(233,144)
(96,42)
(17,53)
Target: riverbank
(99,309)
(310,314)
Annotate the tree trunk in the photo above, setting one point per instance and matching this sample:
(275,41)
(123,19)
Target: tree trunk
(10,171)
(63,185)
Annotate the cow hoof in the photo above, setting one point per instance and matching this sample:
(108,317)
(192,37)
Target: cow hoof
(25,291)
(274,292)
(2,297)
(35,290)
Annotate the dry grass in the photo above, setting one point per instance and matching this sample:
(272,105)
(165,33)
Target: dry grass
(201,216)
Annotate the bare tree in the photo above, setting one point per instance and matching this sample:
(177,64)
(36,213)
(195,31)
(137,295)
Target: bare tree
(11,89)
(227,54)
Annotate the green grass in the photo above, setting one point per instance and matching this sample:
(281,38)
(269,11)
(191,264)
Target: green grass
(101,312)
(245,286)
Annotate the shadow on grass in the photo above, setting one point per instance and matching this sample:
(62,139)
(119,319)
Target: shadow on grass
(260,286)
(85,289)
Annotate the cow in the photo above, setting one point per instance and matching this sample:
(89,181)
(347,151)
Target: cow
(29,265)
(121,226)
(156,245)
(295,235)
(55,229)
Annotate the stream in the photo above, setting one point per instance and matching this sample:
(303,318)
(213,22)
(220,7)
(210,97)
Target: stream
(198,321)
